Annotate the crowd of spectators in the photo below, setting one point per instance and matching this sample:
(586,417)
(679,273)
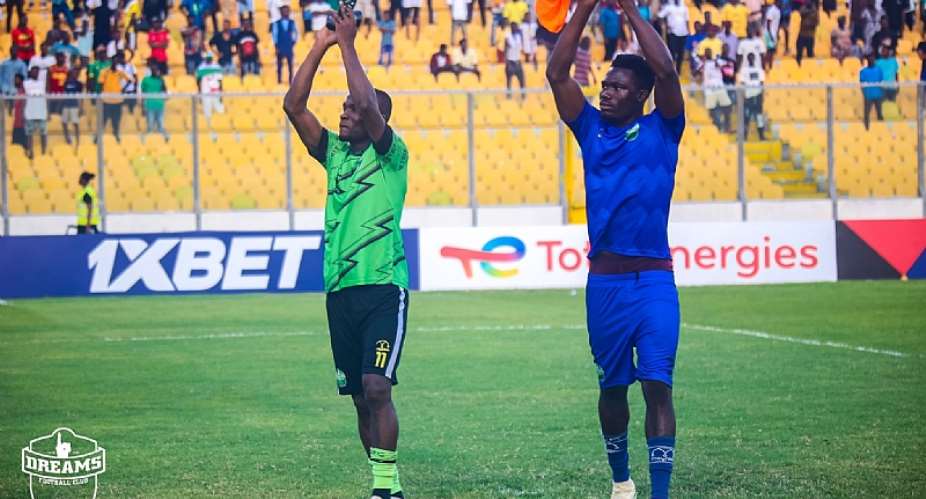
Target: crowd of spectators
(92,45)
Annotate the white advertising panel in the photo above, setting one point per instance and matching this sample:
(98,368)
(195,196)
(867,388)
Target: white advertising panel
(555,256)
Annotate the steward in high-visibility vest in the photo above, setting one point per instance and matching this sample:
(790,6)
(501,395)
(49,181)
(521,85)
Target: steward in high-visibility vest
(88,209)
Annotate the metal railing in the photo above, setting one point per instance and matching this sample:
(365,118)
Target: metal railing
(468,149)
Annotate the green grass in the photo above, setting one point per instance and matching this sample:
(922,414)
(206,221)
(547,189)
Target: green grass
(484,413)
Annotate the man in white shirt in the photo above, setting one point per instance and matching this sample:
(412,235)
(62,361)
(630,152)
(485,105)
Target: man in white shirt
(514,47)
(319,10)
(716,99)
(465,59)
(459,15)
(273,9)
(43,61)
(752,45)
(209,76)
(35,112)
(752,77)
(675,13)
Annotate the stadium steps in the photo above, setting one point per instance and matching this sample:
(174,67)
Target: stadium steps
(795,180)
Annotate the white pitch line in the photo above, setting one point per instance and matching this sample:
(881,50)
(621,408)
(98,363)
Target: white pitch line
(216,336)
(790,339)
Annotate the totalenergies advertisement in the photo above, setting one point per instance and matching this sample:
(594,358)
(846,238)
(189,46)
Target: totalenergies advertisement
(555,256)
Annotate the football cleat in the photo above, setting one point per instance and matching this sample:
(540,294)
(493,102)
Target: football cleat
(624,490)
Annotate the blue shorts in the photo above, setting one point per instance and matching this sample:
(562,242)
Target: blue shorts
(637,310)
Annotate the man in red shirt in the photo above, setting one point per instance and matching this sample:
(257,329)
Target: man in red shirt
(158,39)
(24,40)
(57,75)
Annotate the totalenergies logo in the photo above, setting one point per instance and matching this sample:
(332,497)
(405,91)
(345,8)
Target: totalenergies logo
(505,249)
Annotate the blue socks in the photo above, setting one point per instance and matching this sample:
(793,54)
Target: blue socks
(616,447)
(661,455)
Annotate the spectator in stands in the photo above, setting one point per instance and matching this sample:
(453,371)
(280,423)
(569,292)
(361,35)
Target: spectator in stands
(514,48)
(441,63)
(810,19)
(716,99)
(583,73)
(883,36)
(130,87)
(482,11)
(387,29)
(498,20)
(247,48)
(195,12)
(752,45)
(84,40)
(465,59)
(737,15)
(192,45)
(369,12)
(284,34)
(412,10)
(112,80)
(752,77)
(153,10)
(56,34)
(60,10)
(709,48)
(56,75)
(8,71)
(694,39)
(23,39)
(529,35)
(88,209)
(116,43)
(102,16)
(43,60)
(894,13)
(872,93)
(610,22)
(70,108)
(154,106)
(245,11)
(223,42)
(887,63)
(19,116)
(515,11)
(675,14)
(95,69)
(841,40)
(36,111)
(209,80)
(459,17)
(315,14)
(730,41)
(12,5)
(158,40)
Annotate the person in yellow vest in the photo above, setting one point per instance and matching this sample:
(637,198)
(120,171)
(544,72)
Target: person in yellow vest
(88,209)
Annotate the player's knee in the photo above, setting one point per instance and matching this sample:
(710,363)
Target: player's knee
(377,390)
(614,395)
(657,393)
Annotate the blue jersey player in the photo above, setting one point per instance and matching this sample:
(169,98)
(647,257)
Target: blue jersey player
(631,300)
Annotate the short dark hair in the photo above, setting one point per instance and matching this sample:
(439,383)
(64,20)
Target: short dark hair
(385,104)
(921,47)
(641,70)
(585,43)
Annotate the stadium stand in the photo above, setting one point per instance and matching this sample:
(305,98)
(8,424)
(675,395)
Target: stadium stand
(517,142)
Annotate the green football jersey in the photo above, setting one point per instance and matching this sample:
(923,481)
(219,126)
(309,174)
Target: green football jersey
(366,193)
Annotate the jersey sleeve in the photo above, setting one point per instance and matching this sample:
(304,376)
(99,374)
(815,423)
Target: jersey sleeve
(672,128)
(391,151)
(585,126)
(322,151)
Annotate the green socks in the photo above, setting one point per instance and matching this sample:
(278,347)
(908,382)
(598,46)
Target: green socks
(396,485)
(385,473)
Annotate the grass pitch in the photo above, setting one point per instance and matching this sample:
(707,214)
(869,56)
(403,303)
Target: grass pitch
(234,396)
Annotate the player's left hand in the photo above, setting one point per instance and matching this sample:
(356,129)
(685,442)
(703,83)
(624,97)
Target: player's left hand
(345,27)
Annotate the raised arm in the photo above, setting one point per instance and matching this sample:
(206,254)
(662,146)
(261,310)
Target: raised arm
(668,89)
(294,104)
(361,90)
(566,92)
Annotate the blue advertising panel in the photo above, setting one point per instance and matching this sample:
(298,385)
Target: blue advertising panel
(169,263)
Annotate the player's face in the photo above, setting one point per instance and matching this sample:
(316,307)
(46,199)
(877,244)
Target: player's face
(351,126)
(620,95)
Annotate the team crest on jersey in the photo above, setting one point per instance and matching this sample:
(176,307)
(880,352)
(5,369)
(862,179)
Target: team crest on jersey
(382,352)
(632,134)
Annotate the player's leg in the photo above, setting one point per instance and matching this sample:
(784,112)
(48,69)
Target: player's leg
(384,314)
(610,334)
(346,347)
(656,344)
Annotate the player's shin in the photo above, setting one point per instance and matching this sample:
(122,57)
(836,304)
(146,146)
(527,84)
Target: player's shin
(661,455)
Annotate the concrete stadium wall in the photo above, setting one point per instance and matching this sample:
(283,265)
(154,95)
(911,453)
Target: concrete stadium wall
(848,209)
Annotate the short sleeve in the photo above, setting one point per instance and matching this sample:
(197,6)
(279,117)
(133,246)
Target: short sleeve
(395,156)
(672,127)
(586,124)
(322,151)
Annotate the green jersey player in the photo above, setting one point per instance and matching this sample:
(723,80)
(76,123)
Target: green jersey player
(366,275)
